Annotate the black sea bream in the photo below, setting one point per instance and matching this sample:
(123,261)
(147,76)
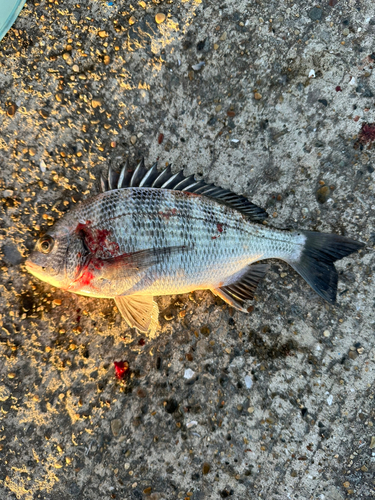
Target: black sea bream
(157,233)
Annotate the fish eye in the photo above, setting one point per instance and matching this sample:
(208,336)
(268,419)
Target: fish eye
(46,244)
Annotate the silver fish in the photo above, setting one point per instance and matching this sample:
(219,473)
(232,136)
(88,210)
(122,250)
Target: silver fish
(150,233)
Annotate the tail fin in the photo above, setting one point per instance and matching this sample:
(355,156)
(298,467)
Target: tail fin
(315,263)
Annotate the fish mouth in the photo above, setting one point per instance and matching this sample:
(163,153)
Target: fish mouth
(31,267)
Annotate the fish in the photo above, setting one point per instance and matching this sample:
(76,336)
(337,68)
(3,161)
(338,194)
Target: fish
(150,233)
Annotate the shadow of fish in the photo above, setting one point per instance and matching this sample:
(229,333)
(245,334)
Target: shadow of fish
(155,233)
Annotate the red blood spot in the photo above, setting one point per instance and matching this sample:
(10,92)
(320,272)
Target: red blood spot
(338,88)
(97,240)
(191,194)
(141,342)
(101,236)
(356,118)
(121,369)
(80,227)
(220,228)
(160,138)
(332,3)
(168,213)
(213,237)
(231,114)
(85,279)
(367,133)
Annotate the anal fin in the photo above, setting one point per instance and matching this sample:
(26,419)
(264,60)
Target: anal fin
(237,293)
(139,311)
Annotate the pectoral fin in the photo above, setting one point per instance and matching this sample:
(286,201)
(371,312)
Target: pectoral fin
(139,311)
(127,264)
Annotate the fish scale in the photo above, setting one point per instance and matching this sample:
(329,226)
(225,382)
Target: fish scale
(140,218)
(152,233)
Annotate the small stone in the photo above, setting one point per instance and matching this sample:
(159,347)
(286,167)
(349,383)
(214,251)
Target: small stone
(102,34)
(106,60)
(346,484)
(248,381)
(96,103)
(372,443)
(59,97)
(11,110)
(223,36)
(132,20)
(189,373)
(352,355)
(32,151)
(159,18)
(315,14)
(116,426)
(206,467)
(323,194)
(147,491)
(12,375)
(326,333)
(11,254)
(250,409)
(345,32)
(133,139)
(76,68)
(218,108)
(216,46)
(44,113)
(257,96)
(364,468)
(57,302)
(66,55)
(283,275)
(205,331)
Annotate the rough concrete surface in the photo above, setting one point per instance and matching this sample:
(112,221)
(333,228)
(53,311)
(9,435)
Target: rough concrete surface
(272,99)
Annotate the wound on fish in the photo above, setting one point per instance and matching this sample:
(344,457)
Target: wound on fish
(97,239)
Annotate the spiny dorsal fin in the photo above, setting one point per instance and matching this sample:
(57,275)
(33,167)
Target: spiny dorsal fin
(143,177)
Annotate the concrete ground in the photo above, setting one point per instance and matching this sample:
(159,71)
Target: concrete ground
(272,99)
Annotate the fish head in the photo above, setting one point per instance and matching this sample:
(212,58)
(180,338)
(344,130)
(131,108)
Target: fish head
(57,257)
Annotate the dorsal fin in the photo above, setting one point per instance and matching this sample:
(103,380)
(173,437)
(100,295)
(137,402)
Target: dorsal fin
(143,177)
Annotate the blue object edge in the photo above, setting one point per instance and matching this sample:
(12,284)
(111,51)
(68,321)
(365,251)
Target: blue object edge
(11,19)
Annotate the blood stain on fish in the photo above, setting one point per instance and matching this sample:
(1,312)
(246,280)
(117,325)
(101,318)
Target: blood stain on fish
(166,215)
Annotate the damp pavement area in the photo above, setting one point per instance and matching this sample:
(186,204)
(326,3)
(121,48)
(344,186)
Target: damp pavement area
(274,100)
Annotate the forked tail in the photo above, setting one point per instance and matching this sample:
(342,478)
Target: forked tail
(315,263)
